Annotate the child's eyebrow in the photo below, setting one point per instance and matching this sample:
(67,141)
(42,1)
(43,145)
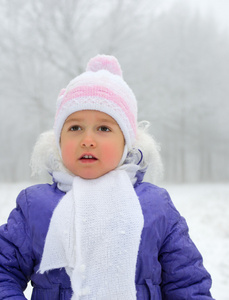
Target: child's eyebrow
(102,120)
(111,121)
(73,120)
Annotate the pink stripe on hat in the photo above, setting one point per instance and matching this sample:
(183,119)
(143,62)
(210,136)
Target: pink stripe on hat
(98,91)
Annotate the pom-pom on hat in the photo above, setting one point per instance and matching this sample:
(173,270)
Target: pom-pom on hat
(100,88)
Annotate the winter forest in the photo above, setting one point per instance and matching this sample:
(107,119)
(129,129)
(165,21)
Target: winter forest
(175,61)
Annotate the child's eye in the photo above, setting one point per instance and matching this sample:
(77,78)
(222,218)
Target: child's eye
(104,128)
(75,128)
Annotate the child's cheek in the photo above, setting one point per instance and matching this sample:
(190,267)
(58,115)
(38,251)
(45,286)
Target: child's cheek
(108,152)
(111,152)
(67,149)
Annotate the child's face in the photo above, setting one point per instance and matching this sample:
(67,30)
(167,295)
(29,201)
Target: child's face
(91,144)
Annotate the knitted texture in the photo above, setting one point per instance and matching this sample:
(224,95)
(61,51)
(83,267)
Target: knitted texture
(100,88)
(95,234)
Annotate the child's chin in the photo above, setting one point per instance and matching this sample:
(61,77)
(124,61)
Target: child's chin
(92,175)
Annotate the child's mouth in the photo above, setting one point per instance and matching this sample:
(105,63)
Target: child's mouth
(88,158)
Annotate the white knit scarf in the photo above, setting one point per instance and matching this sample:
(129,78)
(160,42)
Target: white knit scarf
(95,234)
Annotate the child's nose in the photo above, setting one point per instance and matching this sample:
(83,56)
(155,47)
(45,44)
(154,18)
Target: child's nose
(88,141)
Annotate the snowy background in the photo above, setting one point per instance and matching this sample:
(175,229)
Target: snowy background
(205,208)
(175,56)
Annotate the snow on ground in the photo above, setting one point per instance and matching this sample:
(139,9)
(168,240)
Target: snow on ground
(206,209)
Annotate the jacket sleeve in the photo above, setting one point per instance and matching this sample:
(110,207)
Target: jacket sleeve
(16,263)
(183,273)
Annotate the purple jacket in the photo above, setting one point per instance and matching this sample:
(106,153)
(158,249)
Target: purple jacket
(169,265)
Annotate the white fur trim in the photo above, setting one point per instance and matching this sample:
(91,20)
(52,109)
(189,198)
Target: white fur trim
(45,156)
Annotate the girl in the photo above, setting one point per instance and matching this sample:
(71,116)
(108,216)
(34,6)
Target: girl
(98,232)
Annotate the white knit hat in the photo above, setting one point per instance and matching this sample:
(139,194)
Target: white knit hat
(100,88)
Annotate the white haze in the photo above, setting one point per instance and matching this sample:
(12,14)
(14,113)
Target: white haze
(175,60)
